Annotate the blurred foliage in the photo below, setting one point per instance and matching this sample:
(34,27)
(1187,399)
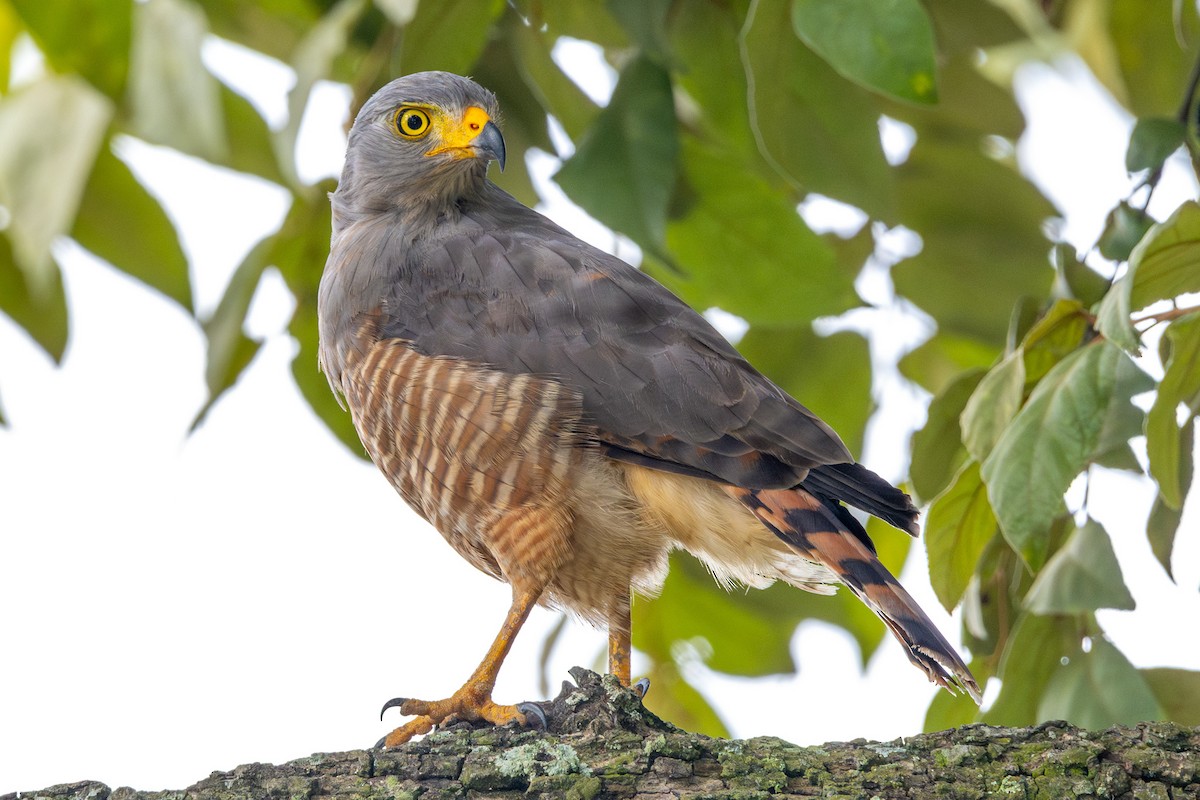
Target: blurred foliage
(727,114)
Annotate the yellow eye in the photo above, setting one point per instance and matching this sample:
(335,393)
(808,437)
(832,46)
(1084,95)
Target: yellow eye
(411,122)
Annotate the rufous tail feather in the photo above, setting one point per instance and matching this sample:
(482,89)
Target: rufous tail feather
(816,532)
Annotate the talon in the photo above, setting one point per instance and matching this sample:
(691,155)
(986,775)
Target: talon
(395,702)
(641,687)
(532,711)
(380,744)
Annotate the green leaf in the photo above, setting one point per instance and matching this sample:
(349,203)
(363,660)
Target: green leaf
(964,28)
(272,27)
(1152,142)
(624,168)
(50,133)
(447,35)
(1021,320)
(1113,317)
(1099,689)
(299,251)
(1162,267)
(742,246)
(1120,456)
(43,315)
(230,351)
(557,93)
(958,527)
(1083,575)
(937,448)
(1161,528)
(1163,522)
(1051,440)
(704,40)
(749,633)
(980,224)
(993,405)
(113,204)
(1123,422)
(1076,279)
(313,61)
(969,105)
(10,29)
(645,21)
(885,45)
(590,20)
(818,130)
(1063,329)
(1155,69)
(89,38)
(250,147)
(1180,386)
(1123,229)
(1031,658)
(1167,263)
(992,601)
(175,100)
(943,359)
(1177,691)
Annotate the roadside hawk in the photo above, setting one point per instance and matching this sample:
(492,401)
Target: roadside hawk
(561,418)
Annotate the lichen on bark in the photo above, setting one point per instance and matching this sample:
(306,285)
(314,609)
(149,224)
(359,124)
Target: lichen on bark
(601,743)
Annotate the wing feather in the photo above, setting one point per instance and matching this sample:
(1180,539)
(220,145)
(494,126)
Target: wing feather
(504,286)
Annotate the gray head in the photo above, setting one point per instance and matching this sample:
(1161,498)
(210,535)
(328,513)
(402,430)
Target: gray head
(419,145)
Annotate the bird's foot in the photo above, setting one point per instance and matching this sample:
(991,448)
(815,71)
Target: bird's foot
(465,704)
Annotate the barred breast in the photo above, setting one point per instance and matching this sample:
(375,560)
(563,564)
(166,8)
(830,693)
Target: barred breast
(506,468)
(486,457)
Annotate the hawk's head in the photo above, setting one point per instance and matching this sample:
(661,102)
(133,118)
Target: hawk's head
(422,140)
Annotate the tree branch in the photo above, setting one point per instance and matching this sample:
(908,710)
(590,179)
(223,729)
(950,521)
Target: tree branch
(603,744)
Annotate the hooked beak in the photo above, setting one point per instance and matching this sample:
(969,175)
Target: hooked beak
(490,144)
(474,136)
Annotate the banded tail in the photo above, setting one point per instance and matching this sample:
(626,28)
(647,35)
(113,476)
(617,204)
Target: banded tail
(830,536)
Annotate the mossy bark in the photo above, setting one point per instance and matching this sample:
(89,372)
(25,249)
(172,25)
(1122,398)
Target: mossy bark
(601,743)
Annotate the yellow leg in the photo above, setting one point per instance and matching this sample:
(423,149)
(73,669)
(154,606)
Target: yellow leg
(619,647)
(474,700)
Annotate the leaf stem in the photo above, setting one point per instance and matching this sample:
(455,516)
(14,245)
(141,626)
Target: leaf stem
(1166,316)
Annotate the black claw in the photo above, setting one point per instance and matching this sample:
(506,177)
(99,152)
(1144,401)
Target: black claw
(642,687)
(532,711)
(379,744)
(395,702)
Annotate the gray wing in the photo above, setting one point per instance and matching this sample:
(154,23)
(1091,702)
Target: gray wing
(510,289)
(504,286)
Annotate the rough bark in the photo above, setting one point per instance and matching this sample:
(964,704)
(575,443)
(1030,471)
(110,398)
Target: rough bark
(602,743)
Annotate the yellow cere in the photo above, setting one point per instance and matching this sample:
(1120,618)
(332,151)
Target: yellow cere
(458,134)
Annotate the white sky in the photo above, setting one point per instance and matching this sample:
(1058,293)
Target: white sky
(175,605)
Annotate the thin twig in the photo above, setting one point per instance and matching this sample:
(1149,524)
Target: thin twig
(1166,316)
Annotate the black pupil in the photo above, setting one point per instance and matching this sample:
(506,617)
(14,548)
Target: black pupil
(413,122)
